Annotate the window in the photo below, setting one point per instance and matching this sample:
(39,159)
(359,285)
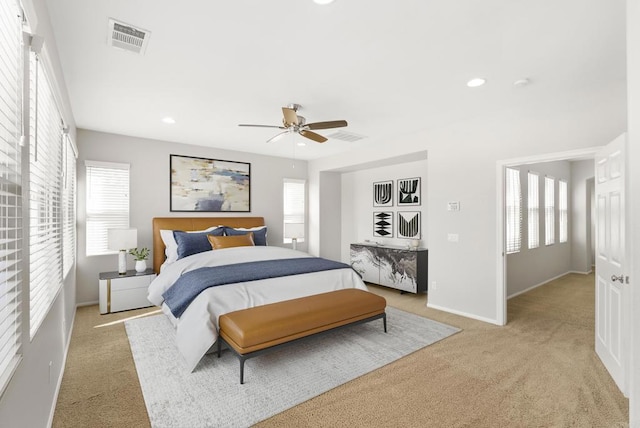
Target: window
(294,210)
(11,230)
(45,193)
(514,210)
(107,203)
(563,211)
(68,206)
(533,211)
(549,211)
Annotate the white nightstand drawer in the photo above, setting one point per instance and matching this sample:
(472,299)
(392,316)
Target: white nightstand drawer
(123,292)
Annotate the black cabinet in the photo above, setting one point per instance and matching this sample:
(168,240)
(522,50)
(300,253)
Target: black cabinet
(396,267)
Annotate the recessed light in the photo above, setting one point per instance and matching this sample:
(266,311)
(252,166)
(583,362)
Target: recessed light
(474,83)
(169,120)
(323,1)
(521,82)
(301,143)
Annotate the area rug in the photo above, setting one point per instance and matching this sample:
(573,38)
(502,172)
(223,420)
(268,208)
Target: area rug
(212,396)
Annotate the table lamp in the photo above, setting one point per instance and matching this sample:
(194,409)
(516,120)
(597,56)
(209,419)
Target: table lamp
(122,240)
(294,231)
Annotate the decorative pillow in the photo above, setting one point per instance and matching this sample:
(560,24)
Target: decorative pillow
(218,242)
(259,233)
(190,243)
(171,251)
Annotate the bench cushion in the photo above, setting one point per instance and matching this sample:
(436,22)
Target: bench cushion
(261,327)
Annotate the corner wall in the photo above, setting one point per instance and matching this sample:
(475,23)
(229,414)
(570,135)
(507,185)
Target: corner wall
(149,197)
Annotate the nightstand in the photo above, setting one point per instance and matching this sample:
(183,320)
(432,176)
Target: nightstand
(123,292)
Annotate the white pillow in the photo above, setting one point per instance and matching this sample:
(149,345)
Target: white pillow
(171,251)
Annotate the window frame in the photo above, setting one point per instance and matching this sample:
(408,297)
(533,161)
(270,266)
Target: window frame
(549,211)
(513,211)
(533,210)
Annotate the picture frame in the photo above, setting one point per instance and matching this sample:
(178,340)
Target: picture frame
(409,191)
(209,185)
(409,225)
(383,193)
(383,224)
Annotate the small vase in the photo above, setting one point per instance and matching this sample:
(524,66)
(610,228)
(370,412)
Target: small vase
(141,265)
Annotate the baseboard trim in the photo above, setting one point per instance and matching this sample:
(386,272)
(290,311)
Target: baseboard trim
(464,314)
(93,302)
(64,365)
(546,281)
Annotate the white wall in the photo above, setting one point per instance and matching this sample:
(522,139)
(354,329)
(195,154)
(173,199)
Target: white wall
(633,203)
(582,173)
(462,166)
(149,160)
(29,399)
(529,268)
(357,203)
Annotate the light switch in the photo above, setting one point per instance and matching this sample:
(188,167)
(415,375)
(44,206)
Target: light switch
(452,237)
(453,206)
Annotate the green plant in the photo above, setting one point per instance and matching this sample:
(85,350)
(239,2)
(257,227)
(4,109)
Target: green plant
(140,254)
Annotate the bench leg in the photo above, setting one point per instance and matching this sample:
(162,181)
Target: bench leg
(219,346)
(384,320)
(241,371)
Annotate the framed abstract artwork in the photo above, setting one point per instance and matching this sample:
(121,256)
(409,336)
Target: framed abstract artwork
(409,224)
(383,224)
(383,194)
(209,185)
(409,191)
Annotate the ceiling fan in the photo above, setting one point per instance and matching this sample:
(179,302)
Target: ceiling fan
(291,122)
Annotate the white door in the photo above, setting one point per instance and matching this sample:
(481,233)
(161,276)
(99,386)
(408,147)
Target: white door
(612,328)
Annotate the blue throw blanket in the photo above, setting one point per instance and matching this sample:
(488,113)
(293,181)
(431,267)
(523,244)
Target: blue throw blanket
(192,283)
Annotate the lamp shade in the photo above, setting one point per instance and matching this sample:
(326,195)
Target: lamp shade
(122,239)
(294,230)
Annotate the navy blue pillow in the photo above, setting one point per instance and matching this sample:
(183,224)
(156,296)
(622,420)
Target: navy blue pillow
(259,235)
(194,243)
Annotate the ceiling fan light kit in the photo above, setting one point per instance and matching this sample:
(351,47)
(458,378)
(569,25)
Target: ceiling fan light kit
(292,123)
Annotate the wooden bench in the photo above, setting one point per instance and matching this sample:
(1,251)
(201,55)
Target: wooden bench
(254,331)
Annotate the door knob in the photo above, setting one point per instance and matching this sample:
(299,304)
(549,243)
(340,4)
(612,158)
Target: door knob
(617,278)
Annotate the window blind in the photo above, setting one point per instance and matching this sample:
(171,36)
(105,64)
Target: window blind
(45,184)
(563,211)
(294,204)
(107,203)
(533,210)
(549,211)
(68,206)
(514,211)
(11,244)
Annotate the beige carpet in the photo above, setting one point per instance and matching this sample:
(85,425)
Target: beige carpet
(538,371)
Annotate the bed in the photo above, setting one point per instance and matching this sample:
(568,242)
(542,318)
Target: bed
(195,319)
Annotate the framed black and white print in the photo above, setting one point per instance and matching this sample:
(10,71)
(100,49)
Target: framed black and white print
(383,194)
(409,224)
(409,191)
(209,185)
(383,224)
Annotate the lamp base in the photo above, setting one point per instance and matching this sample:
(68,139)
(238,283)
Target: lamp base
(294,243)
(122,262)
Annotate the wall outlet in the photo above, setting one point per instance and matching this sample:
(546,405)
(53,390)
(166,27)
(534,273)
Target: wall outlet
(453,237)
(434,285)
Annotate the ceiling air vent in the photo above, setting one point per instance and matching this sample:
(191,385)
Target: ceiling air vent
(128,37)
(346,136)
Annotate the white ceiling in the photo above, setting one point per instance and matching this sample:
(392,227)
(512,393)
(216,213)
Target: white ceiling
(387,67)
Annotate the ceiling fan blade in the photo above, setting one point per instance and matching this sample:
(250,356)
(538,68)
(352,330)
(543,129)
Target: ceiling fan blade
(313,136)
(290,116)
(262,126)
(277,137)
(327,125)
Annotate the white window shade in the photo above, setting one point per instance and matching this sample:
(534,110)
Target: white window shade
(533,210)
(11,228)
(294,208)
(549,211)
(45,184)
(68,206)
(107,203)
(563,211)
(513,215)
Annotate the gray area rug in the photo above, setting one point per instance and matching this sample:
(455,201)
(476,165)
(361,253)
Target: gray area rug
(212,396)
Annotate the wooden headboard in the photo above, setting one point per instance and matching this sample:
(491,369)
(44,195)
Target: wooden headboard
(193,223)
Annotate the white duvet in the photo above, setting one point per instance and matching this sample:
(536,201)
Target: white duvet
(197,327)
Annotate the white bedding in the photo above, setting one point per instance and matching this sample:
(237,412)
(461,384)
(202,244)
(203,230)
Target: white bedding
(197,328)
